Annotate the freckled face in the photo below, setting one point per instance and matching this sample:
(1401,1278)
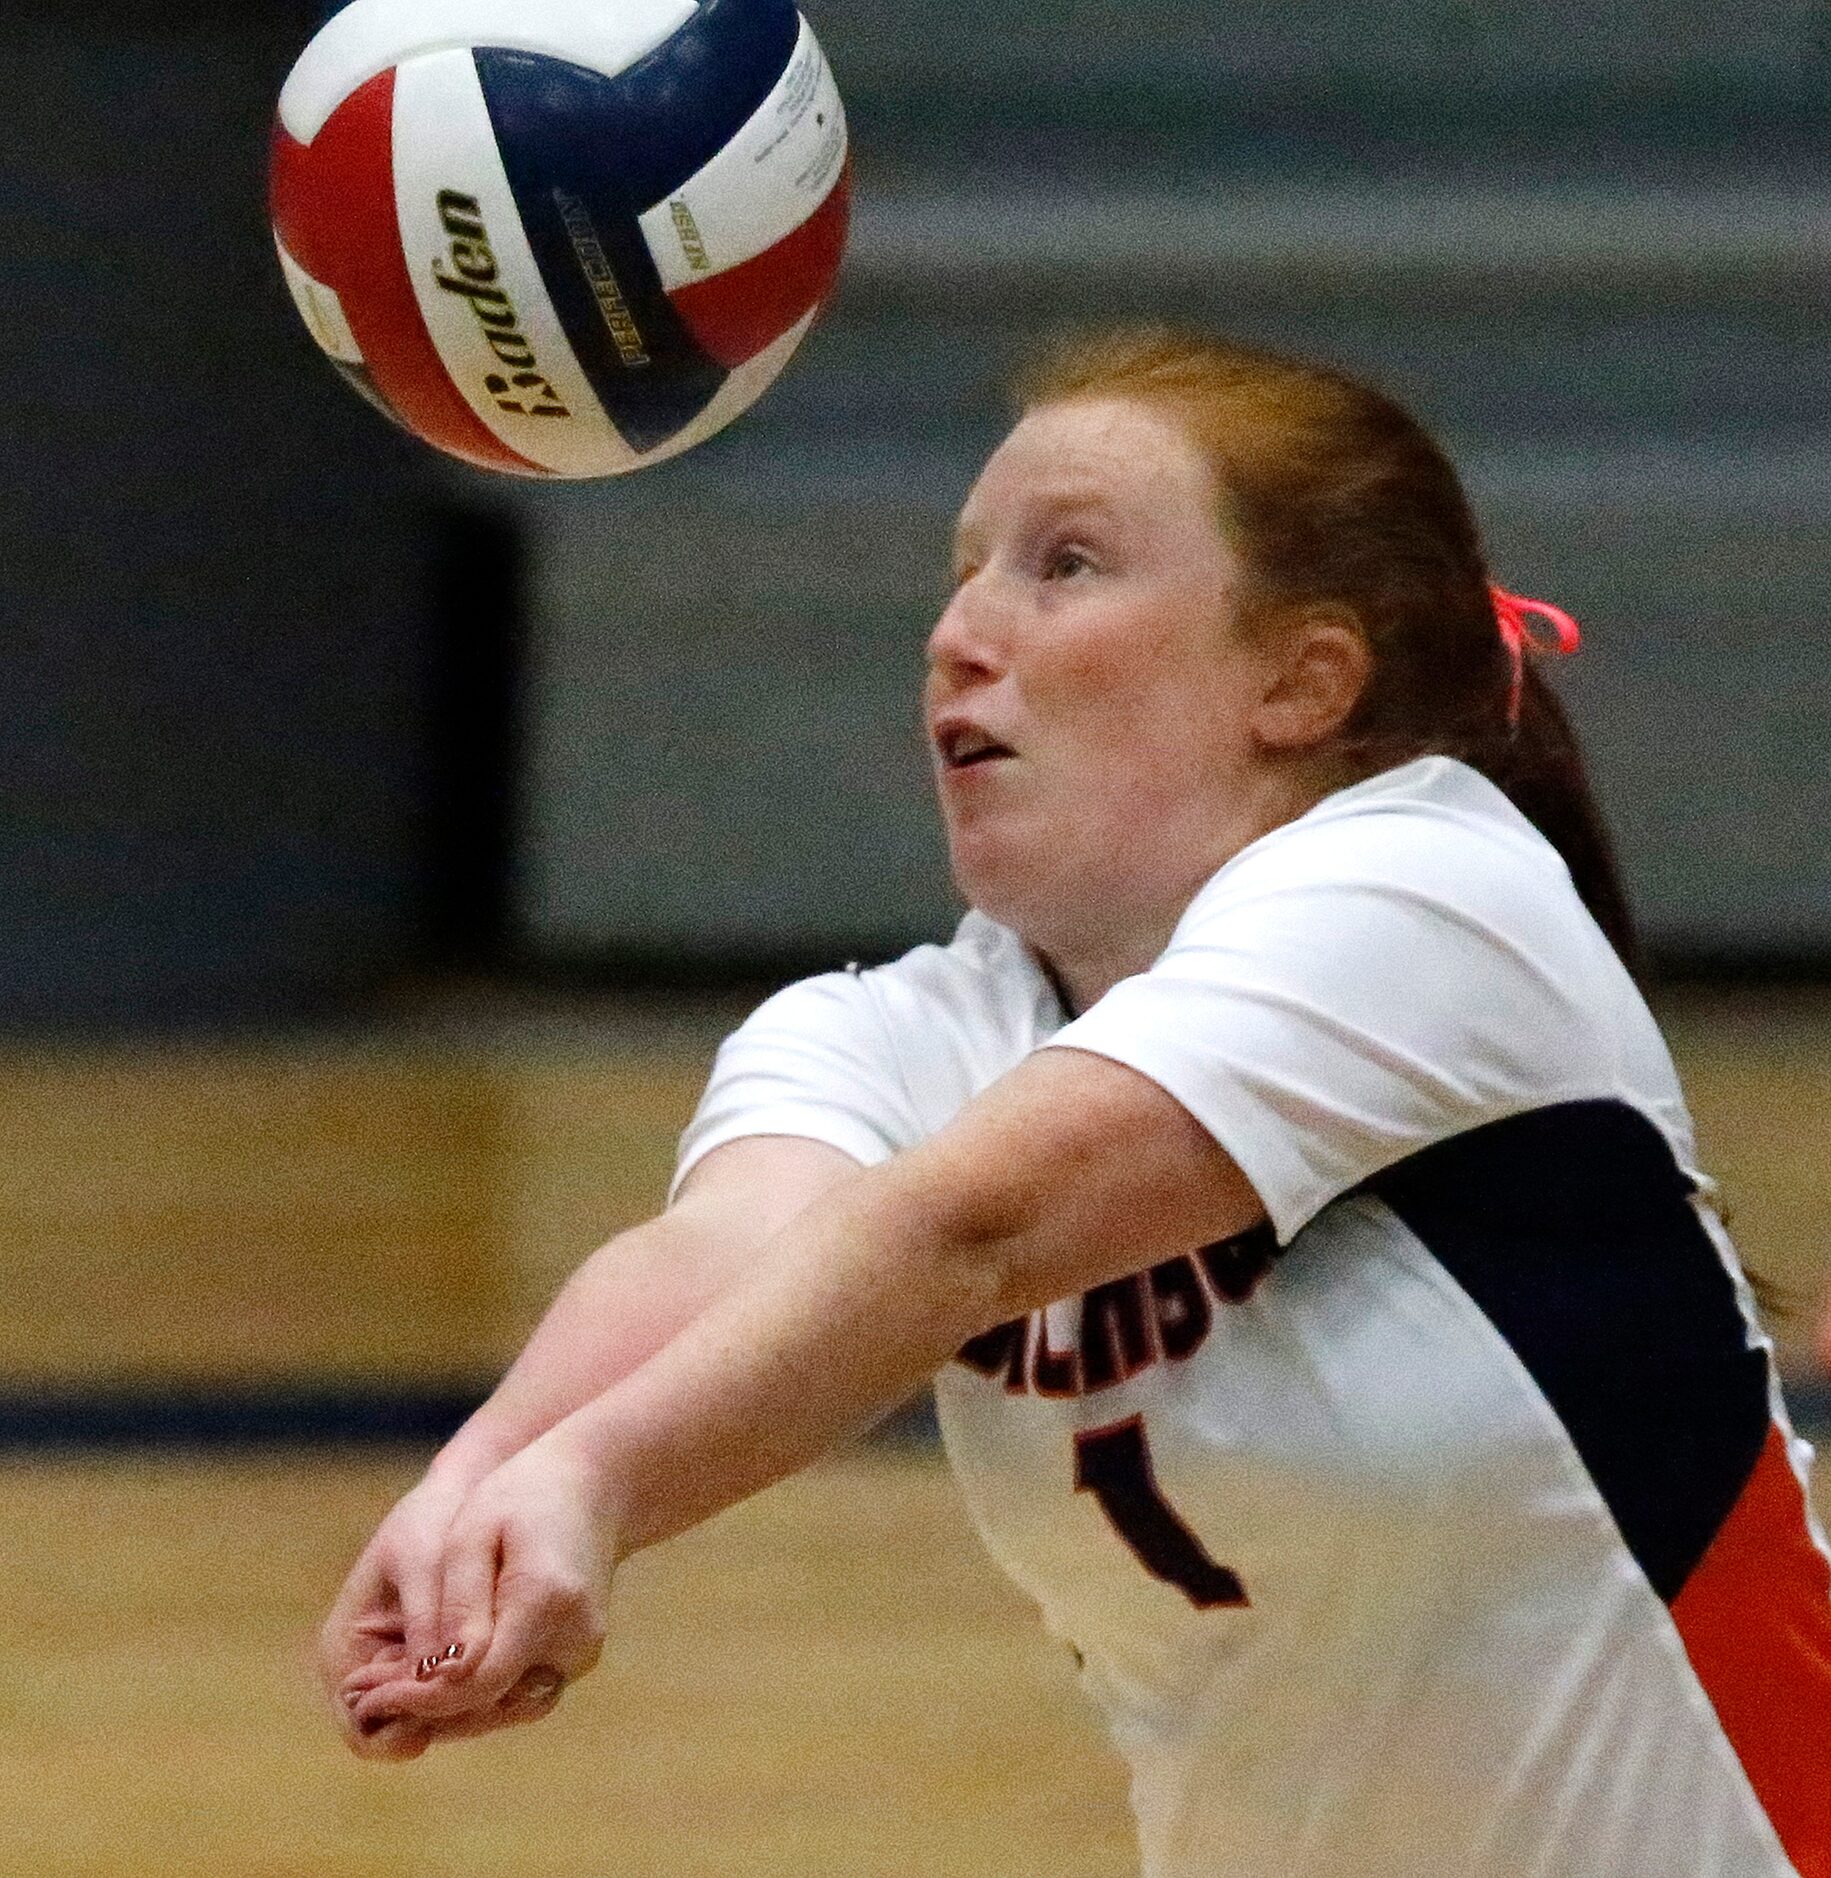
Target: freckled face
(1087,702)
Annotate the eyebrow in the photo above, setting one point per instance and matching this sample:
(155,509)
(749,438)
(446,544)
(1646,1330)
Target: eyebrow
(1053,505)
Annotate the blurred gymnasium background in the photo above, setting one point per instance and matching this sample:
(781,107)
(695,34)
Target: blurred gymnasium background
(383,848)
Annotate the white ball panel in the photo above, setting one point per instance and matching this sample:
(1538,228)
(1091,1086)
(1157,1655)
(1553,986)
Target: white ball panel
(320,309)
(736,395)
(368,36)
(499,322)
(772,175)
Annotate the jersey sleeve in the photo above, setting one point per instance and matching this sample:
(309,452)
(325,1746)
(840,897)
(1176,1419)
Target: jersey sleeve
(1347,1003)
(815,1061)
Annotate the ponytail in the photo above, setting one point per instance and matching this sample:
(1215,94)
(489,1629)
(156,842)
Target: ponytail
(1539,767)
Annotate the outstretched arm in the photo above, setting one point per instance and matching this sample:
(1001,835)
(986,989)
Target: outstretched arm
(636,1293)
(1069,1172)
(621,1306)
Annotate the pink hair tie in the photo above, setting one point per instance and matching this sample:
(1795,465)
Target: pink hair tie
(1511,614)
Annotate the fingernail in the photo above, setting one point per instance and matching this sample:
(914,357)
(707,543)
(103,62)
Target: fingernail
(351,1697)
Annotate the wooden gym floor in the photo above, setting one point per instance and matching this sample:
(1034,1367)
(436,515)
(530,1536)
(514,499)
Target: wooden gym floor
(829,1681)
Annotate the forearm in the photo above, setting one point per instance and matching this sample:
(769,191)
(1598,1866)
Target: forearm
(1067,1174)
(852,1307)
(636,1293)
(615,1311)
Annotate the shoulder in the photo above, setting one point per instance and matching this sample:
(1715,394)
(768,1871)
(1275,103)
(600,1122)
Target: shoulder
(1433,828)
(1420,902)
(1408,961)
(1425,870)
(982,984)
(873,1060)
(980,997)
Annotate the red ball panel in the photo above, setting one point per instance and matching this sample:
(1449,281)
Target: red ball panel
(333,210)
(735,314)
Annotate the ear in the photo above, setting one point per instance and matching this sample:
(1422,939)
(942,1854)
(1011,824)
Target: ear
(1321,668)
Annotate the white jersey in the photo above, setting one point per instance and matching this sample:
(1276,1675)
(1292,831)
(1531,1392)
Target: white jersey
(1448,1525)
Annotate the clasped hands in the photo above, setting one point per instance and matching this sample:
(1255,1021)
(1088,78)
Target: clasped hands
(472,1607)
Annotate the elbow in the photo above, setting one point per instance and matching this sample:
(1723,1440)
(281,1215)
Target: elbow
(978,1278)
(972,1260)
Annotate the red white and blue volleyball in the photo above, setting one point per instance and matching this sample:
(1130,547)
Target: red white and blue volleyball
(561,238)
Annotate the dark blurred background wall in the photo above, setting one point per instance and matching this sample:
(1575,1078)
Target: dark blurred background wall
(216,660)
(1589,244)
(266,704)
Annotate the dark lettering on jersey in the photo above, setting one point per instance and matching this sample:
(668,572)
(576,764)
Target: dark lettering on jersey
(1052,1372)
(1236,1266)
(1002,1348)
(1115,1334)
(1166,1313)
(1184,1315)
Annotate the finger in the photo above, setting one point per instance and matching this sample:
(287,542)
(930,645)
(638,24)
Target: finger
(419,1573)
(346,1637)
(534,1697)
(382,1666)
(429,1700)
(378,1732)
(440,1716)
(438,1674)
(438,1697)
(386,1663)
(373,1675)
(467,1595)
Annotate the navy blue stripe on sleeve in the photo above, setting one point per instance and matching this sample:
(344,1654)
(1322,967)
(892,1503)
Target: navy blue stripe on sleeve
(1571,1227)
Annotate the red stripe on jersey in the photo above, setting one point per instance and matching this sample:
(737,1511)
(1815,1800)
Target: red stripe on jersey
(333,210)
(734,315)
(1755,1616)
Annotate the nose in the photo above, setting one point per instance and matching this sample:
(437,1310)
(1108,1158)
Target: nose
(965,642)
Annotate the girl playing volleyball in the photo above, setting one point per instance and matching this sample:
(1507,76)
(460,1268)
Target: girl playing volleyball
(1279,1174)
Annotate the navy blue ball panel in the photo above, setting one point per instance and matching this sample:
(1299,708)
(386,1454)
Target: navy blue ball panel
(679,106)
(1571,1227)
(557,128)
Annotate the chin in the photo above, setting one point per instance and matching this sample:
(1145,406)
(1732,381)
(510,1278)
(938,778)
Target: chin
(1009,882)
(979,878)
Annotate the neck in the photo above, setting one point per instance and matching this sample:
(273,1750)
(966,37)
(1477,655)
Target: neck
(1084,982)
(1084,967)
(1084,958)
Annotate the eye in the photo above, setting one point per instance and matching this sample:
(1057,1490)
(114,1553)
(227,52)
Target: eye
(1066,562)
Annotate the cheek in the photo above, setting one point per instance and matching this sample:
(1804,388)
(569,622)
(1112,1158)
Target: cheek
(1138,702)
(1100,667)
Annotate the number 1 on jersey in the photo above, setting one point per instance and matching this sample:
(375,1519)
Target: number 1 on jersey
(1114,1465)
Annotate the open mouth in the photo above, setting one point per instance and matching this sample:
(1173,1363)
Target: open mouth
(963,747)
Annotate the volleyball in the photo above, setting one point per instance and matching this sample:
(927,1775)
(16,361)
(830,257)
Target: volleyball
(561,238)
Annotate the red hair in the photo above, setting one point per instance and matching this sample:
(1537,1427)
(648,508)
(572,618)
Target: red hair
(1332,493)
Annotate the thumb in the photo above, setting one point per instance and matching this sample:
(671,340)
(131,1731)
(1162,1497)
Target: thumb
(416,1576)
(467,1595)
(436,1684)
